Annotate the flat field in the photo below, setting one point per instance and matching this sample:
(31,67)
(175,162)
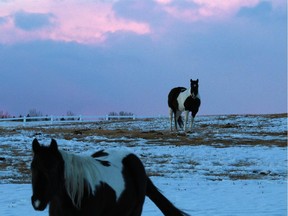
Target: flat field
(227,165)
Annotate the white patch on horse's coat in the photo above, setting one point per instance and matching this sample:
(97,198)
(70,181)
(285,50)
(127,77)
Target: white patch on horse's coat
(181,99)
(37,203)
(79,169)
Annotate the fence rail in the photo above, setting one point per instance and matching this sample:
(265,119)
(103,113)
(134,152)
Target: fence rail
(26,120)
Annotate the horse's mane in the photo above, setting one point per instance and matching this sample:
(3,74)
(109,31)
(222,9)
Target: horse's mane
(79,171)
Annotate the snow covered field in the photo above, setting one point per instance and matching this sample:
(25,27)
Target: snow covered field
(228,165)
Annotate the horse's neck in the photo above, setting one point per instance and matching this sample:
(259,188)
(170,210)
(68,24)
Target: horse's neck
(189,92)
(79,171)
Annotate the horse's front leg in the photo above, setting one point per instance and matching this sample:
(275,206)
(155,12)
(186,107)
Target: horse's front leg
(192,122)
(186,120)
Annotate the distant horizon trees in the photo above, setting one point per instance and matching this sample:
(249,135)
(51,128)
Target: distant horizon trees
(36,113)
(121,113)
(4,114)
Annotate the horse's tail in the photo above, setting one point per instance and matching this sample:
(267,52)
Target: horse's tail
(166,207)
(180,121)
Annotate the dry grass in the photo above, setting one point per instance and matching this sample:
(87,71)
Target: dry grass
(207,137)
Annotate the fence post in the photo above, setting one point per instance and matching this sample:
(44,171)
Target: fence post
(107,117)
(80,118)
(51,119)
(134,116)
(24,120)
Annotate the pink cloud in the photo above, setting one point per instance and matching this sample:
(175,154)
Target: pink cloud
(73,21)
(207,9)
(163,1)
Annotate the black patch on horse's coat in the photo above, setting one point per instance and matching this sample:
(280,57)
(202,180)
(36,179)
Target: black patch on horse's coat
(172,98)
(192,104)
(100,153)
(102,203)
(134,175)
(104,163)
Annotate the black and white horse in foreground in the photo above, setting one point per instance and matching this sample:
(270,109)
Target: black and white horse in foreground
(107,183)
(181,99)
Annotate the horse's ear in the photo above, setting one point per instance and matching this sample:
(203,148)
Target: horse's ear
(197,80)
(35,145)
(191,80)
(54,145)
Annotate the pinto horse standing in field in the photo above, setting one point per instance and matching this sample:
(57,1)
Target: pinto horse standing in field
(107,183)
(181,99)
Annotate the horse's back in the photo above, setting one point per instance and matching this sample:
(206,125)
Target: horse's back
(173,95)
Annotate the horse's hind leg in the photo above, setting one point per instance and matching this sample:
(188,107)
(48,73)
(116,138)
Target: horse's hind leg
(177,115)
(179,119)
(186,120)
(171,118)
(175,119)
(175,122)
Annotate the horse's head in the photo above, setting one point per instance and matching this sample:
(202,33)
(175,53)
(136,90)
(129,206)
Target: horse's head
(47,173)
(194,84)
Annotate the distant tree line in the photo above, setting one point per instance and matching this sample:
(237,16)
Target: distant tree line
(4,114)
(121,113)
(70,115)
(36,113)
(31,113)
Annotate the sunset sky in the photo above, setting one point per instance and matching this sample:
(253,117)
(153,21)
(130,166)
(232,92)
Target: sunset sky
(92,57)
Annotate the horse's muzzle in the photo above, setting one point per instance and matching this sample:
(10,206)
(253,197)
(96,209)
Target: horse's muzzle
(37,204)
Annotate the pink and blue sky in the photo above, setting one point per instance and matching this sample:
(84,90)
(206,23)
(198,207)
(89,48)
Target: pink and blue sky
(92,57)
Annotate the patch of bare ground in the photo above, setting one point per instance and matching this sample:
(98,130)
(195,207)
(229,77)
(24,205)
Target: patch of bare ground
(277,115)
(244,175)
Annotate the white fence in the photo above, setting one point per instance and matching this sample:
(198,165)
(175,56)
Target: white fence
(25,120)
